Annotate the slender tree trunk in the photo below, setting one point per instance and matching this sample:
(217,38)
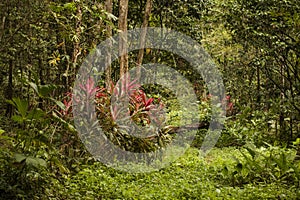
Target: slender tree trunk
(76,51)
(2,27)
(281,115)
(122,25)
(143,37)
(109,9)
(9,91)
(42,82)
(291,88)
(258,87)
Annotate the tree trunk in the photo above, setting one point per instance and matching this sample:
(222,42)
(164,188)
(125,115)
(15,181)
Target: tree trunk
(282,99)
(258,87)
(171,130)
(9,91)
(42,82)
(109,9)
(122,25)
(143,37)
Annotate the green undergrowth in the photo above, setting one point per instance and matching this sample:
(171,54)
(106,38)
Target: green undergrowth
(190,177)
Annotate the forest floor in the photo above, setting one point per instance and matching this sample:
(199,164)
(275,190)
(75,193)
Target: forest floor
(225,173)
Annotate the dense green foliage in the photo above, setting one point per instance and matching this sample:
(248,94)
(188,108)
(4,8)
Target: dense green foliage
(256,47)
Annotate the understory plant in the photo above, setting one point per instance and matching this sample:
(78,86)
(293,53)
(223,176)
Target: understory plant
(122,109)
(271,164)
(26,154)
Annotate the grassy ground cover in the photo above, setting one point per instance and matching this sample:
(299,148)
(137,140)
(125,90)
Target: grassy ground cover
(190,177)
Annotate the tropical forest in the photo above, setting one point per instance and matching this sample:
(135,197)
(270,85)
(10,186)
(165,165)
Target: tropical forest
(149,99)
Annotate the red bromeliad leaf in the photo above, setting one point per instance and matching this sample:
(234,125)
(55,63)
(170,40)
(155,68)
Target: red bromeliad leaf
(116,92)
(115,112)
(89,87)
(143,98)
(132,87)
(119,113)
(69,94)
(229,106)
(127,87)
(100,93)
(68,107)
(148,102)
(137,106)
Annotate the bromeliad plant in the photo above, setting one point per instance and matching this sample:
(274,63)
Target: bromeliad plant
(122,109)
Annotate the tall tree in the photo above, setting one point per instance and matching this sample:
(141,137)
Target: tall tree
(109,9)
(122,26)
(143,36)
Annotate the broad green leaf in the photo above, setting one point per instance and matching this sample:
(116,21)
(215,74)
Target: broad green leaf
(36,161)
(17,118)
(10,102)
(36,114)
(19,157)
(42,90)
(70,6)
(21,105)
(59,103)
(45,90)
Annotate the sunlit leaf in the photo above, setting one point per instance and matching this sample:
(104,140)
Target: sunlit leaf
(19,157)
(36,161)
